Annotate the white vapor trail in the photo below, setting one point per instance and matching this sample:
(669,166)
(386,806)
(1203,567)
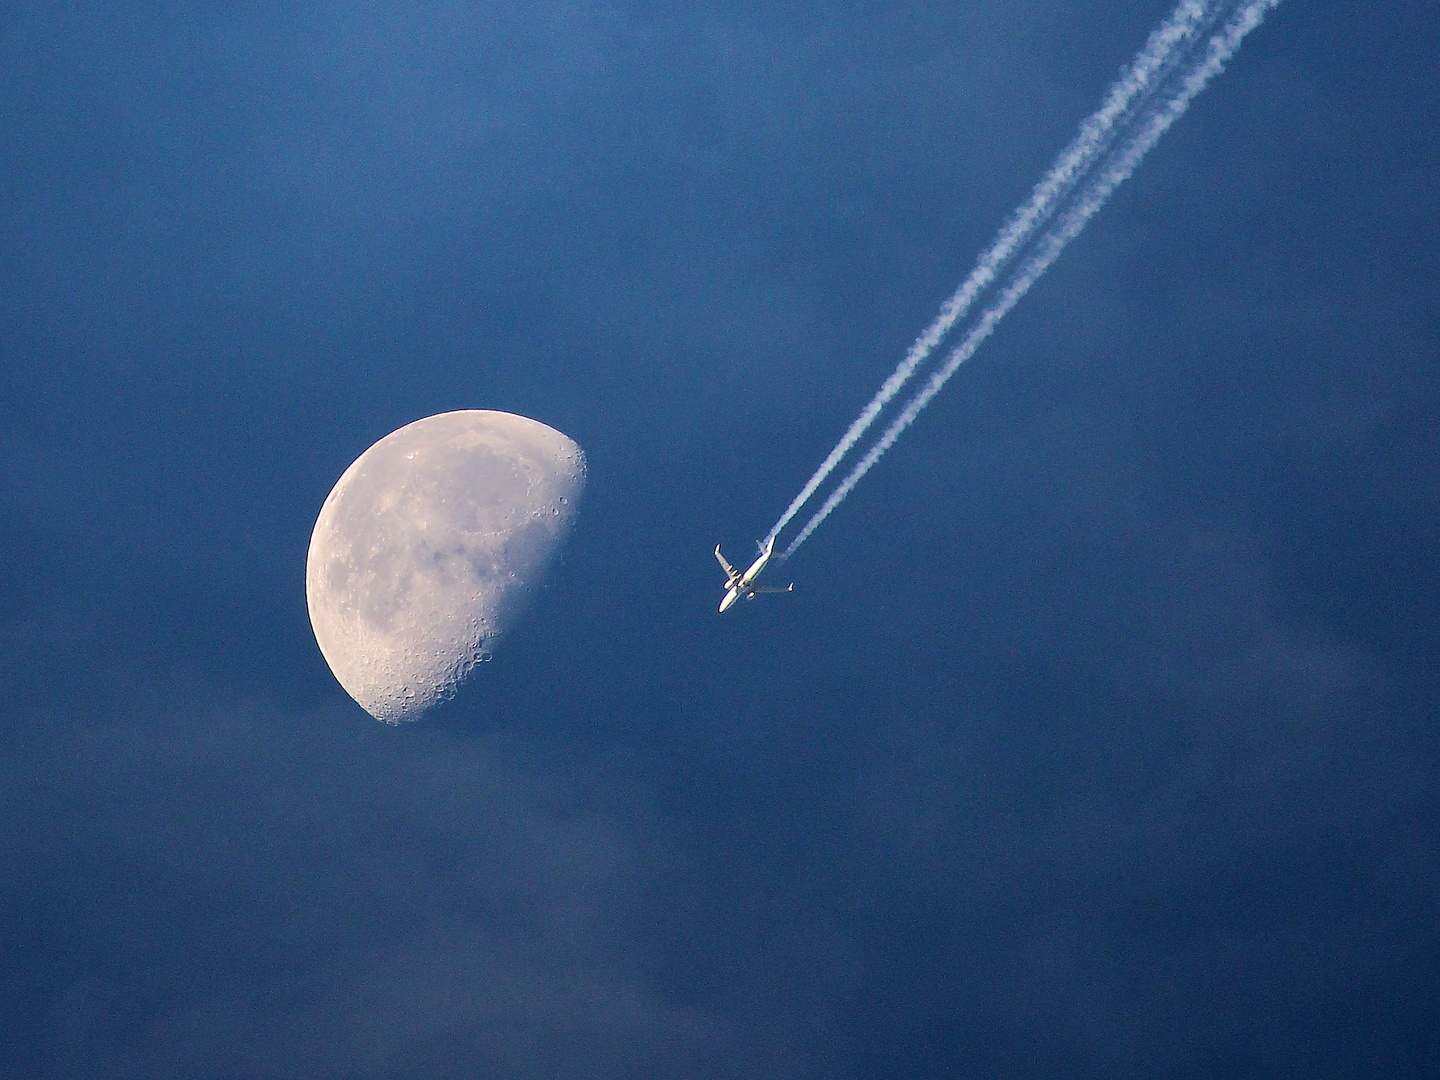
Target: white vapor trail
(1152,64)
(1221,48)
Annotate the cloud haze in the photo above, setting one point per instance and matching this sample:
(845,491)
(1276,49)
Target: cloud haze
(1098,741)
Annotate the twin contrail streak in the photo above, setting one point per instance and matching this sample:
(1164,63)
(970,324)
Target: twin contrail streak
(1150,66)
(1153,122)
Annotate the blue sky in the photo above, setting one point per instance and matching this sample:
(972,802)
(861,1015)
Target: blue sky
(1099,737)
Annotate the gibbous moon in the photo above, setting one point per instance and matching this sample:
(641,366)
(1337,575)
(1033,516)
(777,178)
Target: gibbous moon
(429,547)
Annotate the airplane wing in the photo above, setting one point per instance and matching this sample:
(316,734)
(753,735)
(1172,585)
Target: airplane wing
(724,563)
(773,588)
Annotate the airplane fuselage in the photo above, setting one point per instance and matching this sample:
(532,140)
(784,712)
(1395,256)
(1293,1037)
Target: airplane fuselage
(731,595)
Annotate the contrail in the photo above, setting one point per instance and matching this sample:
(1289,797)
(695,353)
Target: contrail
(1152,64)
(1221,48)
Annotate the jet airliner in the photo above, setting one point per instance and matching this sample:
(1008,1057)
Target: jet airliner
(738,584)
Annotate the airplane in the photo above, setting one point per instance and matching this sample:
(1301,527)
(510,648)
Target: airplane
(738,584)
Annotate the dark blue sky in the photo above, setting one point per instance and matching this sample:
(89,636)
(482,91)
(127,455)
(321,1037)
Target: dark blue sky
(1100,736)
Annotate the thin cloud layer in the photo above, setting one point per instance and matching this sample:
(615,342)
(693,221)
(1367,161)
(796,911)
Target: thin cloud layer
(1097,742)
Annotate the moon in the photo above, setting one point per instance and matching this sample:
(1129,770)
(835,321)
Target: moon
(429,547)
